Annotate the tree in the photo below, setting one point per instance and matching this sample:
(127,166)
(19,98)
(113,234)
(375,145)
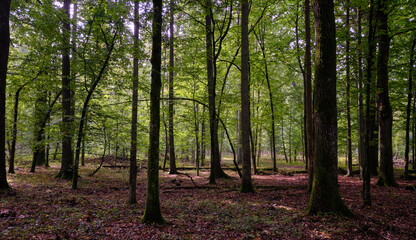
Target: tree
(386,174)
(308,97)
(408,109)
(152,212)
(67,118)
(325,195)
(135,90)
(348,87)
(4,59)
(246,184)
(172,158)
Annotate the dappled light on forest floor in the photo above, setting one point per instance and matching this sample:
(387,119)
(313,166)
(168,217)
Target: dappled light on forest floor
(41,206)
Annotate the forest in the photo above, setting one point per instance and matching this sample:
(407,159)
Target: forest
(207,119)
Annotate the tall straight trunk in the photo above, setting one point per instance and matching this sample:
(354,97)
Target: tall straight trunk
(83,143)
(325,195)
(197,144)
(259,146)
(283,142)
(152,212)
(348,84)
(386,174)
(239,149)
(246,184)
(414,133)
(135,90)
(67,119)
(369,122)
(39,144)
(172,158)
(408,109)
(308,96)
(4,59)
(216,170)
(203,139)
(361,120)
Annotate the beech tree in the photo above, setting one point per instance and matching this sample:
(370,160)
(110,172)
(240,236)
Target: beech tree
(152,212)
(325,195)
(4,59)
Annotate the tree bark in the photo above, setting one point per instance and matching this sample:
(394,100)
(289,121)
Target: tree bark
(39,144)
(133,137)
(216,170)
(408,110)
(172,158)
(152,212)
(246,184)
(67,117)
(361,120)
(325,195)
(386,174)
(308,96)
(348,84)
(4,59)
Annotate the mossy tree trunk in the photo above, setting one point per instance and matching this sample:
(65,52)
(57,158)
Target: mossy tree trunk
(325,195)
(386,174)
(152,212)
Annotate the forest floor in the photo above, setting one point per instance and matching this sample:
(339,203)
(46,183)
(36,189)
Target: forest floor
(41,206)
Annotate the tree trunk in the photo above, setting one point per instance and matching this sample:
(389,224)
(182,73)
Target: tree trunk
(67,117)
(369,122)
(246,184)
(347,62)
(39,130)
(361,120)
(152,212)
(133,137)
(308,96)
(386,175)
(4,59)
(172,158)
(239,149)
(408,110)
(216,170)
(203,139)
(325,195)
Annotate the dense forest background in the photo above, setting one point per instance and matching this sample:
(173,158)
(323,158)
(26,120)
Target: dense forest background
(240,87)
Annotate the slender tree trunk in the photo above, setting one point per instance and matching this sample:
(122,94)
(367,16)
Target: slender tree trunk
(152,212)
(135,90)
(39,130)
(4,59)
(203,139)
(348,84)
(239,150)
(283,142)
(83,143)
(369,122)
(325,195)
(386,175)
(172,158)
(408,110)
(197,144)
(308,96)
(361,120)
(67,118)
(414,133)
(259,147)
(246,184)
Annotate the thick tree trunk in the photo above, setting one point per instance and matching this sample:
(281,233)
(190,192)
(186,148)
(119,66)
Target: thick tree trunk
(308,96)
(325,195)
(133,137)
(408,110)
(172,158)
(39,130)
(347,62)
(216,170)
(4,59)
(246,184)
(67,117)
(386,175)
(152,212)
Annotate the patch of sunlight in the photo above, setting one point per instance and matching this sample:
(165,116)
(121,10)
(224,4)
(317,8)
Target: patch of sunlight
(283,207)
(320,234)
